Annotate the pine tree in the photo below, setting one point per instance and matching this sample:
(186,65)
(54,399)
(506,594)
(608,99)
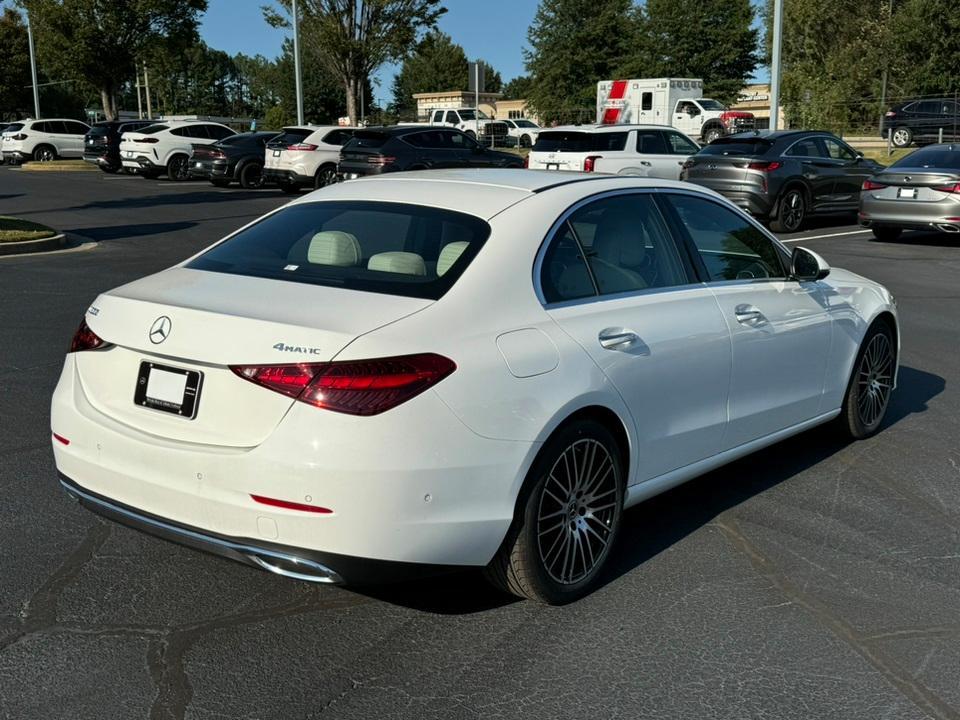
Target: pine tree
(573,45)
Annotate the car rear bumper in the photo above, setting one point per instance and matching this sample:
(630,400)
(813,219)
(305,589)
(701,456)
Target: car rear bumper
(286,177)
(211,170)
(141,163)
(910,215)
(104,159)
(397,492)
(15,155)
(753,201)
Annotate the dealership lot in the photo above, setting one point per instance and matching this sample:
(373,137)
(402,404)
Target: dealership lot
(814,579)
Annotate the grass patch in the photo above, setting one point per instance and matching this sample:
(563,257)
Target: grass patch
(880,154)
(16,230)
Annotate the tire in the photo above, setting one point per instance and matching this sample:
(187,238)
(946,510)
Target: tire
(326,175)
(525,141)
(871,382)
(178,168)
(251,176)
(538,558)
(220,183)
(791,211)
(289,188)
(886,234)
(109,169)
(44,153)
(150,174)
(711,134)
(902,137)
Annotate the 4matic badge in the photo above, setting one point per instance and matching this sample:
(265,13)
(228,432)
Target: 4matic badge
(283,347)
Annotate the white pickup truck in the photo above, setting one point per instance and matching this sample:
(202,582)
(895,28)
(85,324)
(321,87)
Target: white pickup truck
(475,123)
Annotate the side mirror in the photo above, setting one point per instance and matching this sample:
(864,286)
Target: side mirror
(807,266)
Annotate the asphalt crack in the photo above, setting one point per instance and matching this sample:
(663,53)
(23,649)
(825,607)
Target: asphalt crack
(904,681)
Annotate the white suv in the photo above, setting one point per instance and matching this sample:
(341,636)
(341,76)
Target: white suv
(645,150)
(305,156)
(44,140)
(166,147)
(523,132)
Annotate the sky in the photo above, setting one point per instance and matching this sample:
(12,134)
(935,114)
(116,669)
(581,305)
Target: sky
(495,30)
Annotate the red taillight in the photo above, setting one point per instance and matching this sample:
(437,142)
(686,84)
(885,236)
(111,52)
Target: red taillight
(149,141)
(302,147)
(286,504)
(765,166)
(356,387)
(526,161)
(86,339)
(381,160)
(952,188)
(19,136)
(590,162)
(872,185)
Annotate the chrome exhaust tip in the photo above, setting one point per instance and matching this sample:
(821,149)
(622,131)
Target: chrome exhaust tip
(296,568)
(948,228)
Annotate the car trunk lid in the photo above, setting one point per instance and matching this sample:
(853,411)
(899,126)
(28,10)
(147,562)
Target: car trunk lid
(914,185)
(204,322)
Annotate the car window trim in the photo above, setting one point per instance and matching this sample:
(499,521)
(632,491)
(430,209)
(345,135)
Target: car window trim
(564,218)
(677,226)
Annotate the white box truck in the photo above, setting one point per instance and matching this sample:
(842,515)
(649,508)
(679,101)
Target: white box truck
(668,101)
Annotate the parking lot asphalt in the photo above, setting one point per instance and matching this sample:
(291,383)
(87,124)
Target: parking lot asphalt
(815,579)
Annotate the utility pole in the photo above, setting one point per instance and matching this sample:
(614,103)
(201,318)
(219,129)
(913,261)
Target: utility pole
(775,65)
(146,83)
(886,67)
(139,103)
(296,62)
(33,69)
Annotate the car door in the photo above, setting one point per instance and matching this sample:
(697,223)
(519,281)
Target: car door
(647,155)
(468,151)
(687,117)
(819,171)
(852,170)
(74,137)
(680,149)
(614,279)
(780,329)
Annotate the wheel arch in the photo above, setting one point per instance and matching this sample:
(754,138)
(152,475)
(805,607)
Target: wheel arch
(174,153)
(790,185)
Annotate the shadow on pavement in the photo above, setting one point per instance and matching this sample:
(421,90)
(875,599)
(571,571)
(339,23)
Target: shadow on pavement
(922,238)
(653,526)
(197,197)
(118,232)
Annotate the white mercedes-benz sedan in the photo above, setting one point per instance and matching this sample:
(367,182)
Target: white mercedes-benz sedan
(459,368)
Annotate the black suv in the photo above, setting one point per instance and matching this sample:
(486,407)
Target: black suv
(783,176)
(391,149)
(920,120)
(235,158)
(101,146)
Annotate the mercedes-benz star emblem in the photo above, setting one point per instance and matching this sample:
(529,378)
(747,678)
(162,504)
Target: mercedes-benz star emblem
(160,329)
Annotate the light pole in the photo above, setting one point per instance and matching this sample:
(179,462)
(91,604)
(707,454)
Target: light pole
(775,65)
(33,68)
(296,62)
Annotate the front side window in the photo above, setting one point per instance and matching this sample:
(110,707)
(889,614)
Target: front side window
(680,144)
(396,249)
(837,150)
(730,247)
(685,107)
(807,147)
(613,245)
(452,117)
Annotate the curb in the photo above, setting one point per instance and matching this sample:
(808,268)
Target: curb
(56,242)
(54,167)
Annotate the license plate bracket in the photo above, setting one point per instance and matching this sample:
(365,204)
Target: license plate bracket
(168,389)
(908,193)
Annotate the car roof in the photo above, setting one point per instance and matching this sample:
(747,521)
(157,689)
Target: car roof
(316,128)
(406,129)
(604,128)
(480,192)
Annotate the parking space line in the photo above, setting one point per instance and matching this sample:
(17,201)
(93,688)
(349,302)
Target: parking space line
(823,237)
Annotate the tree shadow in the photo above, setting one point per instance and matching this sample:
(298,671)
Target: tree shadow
(658,523)
(121,232)
(925,238)
(197,197)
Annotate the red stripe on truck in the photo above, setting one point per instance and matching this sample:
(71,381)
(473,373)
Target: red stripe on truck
(612,115)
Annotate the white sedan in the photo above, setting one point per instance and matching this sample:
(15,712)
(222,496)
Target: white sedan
(459,368)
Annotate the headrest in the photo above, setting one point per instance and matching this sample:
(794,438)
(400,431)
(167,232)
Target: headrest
(333,247)
(619,238)
(404,263)
(449,255)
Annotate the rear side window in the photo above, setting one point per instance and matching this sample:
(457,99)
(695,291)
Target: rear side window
(733,145)
(153,129)
(218,132)
(291,136)
(389,248)
(650,142)
(731,248)
(646,101)
(369,139)
(338,137)
(76,128)
(931,158)
(807,147)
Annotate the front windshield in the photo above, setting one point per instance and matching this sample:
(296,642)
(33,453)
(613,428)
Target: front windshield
(708,104)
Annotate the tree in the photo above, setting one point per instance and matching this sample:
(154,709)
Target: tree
(355,37)
(15,94)
(573,45)
(98,43)
(518,88)
(437,64)
(710,39)
(924,36)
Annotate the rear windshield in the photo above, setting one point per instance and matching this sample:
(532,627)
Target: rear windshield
(572,141)
(737,146)
(151,129)
(368,139)
(389,248)
(931,158)
(13,127)
(291,136)
(99,130)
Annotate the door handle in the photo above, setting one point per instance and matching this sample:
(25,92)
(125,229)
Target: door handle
(748,314)
(617,338)
(645,163)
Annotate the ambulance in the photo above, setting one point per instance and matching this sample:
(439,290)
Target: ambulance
(668,101)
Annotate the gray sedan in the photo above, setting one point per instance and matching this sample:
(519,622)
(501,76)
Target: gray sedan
(918,192)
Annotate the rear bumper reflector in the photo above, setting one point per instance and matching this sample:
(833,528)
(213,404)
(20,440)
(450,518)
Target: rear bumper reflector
(286,504)
(61,439)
